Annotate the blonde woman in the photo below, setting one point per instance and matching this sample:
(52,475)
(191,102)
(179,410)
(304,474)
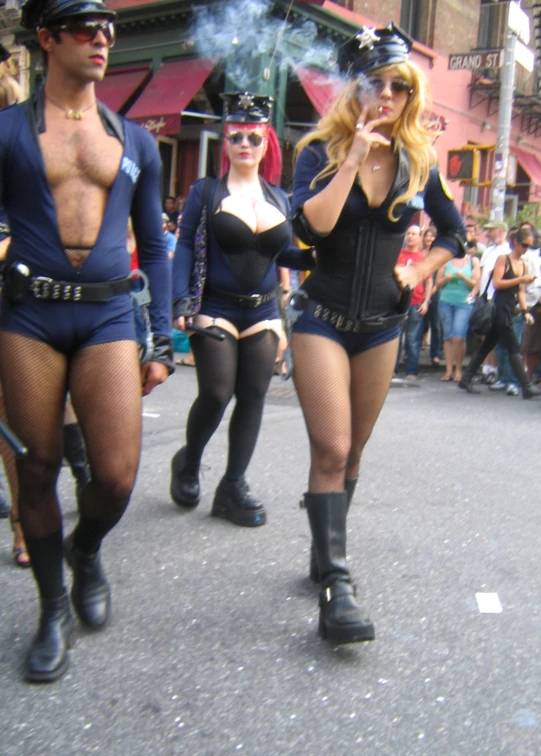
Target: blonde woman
(10,93)
(359,179)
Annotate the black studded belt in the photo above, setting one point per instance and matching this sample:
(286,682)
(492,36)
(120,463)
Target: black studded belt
(241,300)
(19,283)
(342,322)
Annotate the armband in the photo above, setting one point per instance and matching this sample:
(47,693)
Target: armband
(303,229)
(163,352)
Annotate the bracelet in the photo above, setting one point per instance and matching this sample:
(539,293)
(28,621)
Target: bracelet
(285,291)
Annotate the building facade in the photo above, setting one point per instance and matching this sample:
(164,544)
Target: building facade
(173,59)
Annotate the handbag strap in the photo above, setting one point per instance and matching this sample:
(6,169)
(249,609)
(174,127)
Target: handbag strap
(488,282)
(206,191)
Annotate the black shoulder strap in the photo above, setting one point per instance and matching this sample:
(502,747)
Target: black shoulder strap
(206,191)
(488,282)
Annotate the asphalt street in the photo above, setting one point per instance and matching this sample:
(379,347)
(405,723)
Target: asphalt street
(213,645)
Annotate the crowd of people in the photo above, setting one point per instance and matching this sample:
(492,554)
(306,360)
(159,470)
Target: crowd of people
(213,266)
(451,297)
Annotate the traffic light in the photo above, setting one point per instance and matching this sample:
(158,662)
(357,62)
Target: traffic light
(463,165)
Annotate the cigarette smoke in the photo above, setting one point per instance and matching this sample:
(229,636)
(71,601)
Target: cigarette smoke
(242,31)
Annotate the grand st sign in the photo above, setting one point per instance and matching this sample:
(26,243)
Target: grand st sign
(474,60)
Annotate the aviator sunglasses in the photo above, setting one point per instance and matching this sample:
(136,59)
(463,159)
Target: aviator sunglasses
(398,86)
(237,137)
(87,31)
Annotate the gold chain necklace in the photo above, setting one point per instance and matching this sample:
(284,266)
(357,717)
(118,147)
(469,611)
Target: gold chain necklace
(76,115)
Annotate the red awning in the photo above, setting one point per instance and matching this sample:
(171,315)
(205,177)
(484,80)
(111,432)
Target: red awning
(168,93)
(530,163)
(118,86)
(321,88)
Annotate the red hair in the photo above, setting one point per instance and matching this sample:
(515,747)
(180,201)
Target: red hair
(270,167)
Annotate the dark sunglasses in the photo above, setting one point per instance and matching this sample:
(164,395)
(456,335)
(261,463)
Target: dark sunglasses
(237,137)
(398,86)
(525,246)
(87,31)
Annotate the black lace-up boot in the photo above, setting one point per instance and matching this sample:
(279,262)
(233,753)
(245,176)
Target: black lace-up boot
(350,485)
(234,501)
(185,490)
(48,656)
(341,620)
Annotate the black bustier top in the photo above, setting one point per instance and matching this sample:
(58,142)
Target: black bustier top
(249,255)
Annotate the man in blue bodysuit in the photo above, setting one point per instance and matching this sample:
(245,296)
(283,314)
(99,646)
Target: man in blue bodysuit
(71,173)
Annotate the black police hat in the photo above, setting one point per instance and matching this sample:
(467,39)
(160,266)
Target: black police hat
(35,13)
(245,107)
(371,48)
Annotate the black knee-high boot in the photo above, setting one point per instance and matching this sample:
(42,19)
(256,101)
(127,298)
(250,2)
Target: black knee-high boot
(350,485)
(528,389)
(75,453)
(467,377)
(341,620)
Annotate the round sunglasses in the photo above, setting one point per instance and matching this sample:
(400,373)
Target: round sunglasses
(87,31)
(237,137)
(398,86)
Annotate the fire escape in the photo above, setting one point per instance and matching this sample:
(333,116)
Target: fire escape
(9,16)
(485,84)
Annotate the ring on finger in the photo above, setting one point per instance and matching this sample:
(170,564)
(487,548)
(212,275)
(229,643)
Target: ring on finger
(359,127)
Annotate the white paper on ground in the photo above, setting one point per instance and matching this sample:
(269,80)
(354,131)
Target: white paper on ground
(488,603)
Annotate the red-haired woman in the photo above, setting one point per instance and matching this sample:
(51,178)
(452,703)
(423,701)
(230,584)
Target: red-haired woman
(248,235)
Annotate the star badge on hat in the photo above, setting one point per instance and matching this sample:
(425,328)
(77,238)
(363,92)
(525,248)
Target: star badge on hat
(367,37)
(246,101)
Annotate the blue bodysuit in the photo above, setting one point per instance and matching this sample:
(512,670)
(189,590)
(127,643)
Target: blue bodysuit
(238,261)
(28,201)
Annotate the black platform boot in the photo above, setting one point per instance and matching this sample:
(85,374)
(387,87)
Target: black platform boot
(48,656)
(185,490)
(528,389)
(341,620)
(90,593)
(233,501)
(75,454)
(350,485)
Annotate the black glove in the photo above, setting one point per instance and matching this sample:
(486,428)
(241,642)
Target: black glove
(183,308)
(163,352)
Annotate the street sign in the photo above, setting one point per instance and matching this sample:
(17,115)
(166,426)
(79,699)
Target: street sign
(518,22)
(524,56)
(476,59)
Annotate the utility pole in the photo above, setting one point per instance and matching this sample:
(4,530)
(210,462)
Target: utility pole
(518,27)
(501,155)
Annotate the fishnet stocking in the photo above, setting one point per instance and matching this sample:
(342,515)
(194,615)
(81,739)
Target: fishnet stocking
(104,382)
(341,400)
(105,388)
(77,256)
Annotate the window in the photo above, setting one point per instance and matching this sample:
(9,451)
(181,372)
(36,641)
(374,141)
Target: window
(417,18)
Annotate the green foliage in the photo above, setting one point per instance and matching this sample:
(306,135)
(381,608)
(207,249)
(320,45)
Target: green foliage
(529,212)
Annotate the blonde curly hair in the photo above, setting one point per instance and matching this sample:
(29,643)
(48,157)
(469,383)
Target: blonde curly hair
(10,91)
(412,132)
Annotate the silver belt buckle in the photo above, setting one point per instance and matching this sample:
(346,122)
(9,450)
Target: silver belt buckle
(255,299)
(41,286)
